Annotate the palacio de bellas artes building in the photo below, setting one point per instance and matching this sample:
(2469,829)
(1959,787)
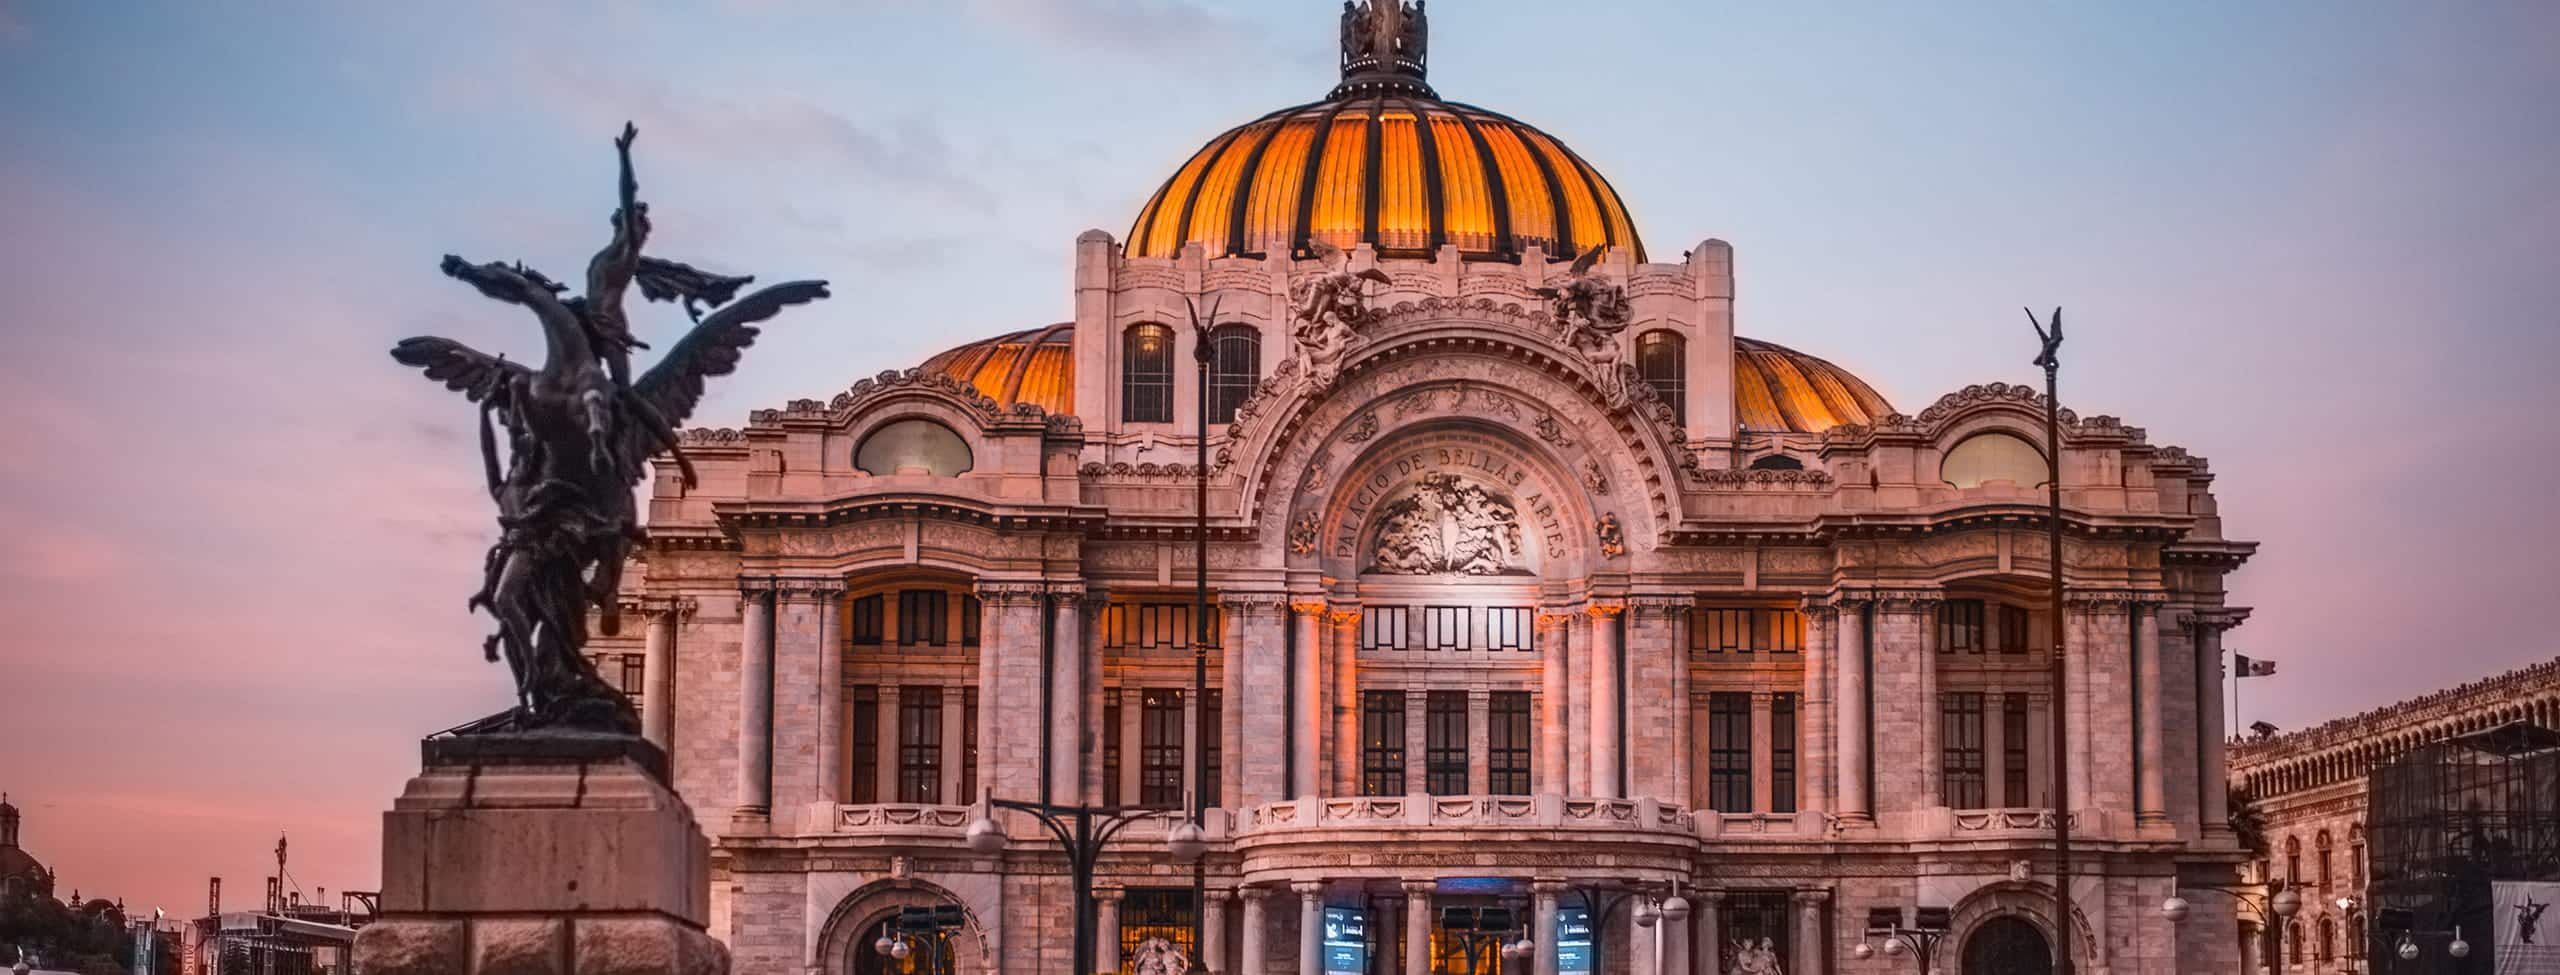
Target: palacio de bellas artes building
(1529,578)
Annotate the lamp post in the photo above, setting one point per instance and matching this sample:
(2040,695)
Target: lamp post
(2278,905)
(2404,923)
(1083,832)
(925,928)
(1191,834)
(2050,360)
(1481,930)
(1928,928)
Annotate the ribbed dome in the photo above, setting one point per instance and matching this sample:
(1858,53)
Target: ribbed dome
(1032,366)
(1775,388)
(1403,172)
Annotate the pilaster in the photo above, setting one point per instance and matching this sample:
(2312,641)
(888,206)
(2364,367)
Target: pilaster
(1607,737)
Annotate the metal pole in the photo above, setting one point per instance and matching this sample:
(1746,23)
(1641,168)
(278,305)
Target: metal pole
(2061,758)
(1200,354)
(1080,857)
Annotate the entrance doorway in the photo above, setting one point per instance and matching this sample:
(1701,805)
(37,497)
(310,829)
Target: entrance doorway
(2008,946)
(920,960)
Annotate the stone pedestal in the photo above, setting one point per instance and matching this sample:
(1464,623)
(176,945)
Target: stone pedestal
(541,855)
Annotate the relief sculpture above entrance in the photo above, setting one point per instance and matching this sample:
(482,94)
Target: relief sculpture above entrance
(1449,526)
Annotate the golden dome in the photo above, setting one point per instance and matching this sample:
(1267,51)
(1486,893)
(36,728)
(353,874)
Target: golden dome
(1032,366)
(1778,389)
(1384,160)
(1775,388)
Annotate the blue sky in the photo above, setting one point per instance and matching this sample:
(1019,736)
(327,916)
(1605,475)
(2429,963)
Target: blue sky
(2318,243)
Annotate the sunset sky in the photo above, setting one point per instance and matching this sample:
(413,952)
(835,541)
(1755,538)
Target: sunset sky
(2315,241)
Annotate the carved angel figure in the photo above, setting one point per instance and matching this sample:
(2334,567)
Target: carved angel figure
(579,434)
(1592,311)
(1330,309)
(1613,542)
(1157,956)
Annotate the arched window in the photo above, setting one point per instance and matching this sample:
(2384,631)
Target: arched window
(913,447)
(1235,365)
(1662,359)
(2355,856)
(2328,939)
(1993,457)
(1777,462)
(2320,846)
(2293,860)
(1146,374)
(2293,939)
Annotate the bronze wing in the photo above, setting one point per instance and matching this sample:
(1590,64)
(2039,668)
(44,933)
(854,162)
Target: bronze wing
(1589,259)
(673,387)
(482,377)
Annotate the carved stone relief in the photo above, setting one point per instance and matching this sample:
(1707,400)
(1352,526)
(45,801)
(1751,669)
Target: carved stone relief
(1448,525)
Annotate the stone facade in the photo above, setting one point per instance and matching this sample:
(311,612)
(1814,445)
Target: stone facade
(2308,790)
(1634,640)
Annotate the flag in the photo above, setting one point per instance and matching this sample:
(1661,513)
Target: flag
(2242,666)
(2526,944)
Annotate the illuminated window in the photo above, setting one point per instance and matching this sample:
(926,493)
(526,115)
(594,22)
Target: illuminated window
(1382,743)
(1444,748)
(1987,457)
(1961,731)
(1146,374)
(1782,753)
(1153,626)
(1722,630)
(1508,743)
(1159,912)
(912,446)
(1662,360)
(1235,366)
(1160,747)
(1729,752)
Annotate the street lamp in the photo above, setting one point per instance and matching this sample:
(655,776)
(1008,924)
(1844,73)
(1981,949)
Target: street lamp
(2405,923)
(2274,908)
(1928,927)
(929,927)
(1082,831)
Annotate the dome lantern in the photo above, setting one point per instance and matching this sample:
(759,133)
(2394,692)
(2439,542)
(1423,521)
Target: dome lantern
(1384,48)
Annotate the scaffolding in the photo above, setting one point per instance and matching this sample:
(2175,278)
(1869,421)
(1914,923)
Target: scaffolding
(2445,821)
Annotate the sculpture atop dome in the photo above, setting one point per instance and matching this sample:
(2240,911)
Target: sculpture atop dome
(1592,310)
(1331,309)
(1384,46)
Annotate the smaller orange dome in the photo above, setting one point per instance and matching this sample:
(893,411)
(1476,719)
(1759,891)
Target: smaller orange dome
(1036,366)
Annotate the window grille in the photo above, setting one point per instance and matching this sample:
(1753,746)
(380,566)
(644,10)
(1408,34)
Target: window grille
(1382,743)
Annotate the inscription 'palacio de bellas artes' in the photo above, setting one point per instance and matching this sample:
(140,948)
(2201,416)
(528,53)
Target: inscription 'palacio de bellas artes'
(1530,570)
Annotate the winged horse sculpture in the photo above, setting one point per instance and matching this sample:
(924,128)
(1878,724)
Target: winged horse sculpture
(580,434)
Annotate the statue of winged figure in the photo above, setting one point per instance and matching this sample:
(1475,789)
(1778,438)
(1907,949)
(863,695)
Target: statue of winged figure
(1331,307)
(1592,310)
(580,431)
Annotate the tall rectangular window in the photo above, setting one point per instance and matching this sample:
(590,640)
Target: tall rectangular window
(1510,628)
(635,671)
(868,621)
(923,617)
(1782,753)
(1382,743)
(1960,626)
(1729,752)
(1780,630)
(968,746)
(1146,374)
(1160,747)
(1111,749)
(1444,628)
(920,744)
(2013,751)
(1213,750)
(1509,743)
(1382,628)
(970,618)
(1960,735)
(2013,629)
(866,745)
(1444,748)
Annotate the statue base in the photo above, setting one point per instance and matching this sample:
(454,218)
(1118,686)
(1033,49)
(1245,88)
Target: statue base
(545,854)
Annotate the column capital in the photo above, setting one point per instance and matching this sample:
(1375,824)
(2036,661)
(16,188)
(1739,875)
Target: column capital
(1811,896)
(1107,893)
(1253,895)
(1658,606)
(1605,611)
(1246,605)
(1068,594)
(1341,617)
(1419,888)
(1708,897)
(1307,890)
(1218,895)
(2084,599)
(1549,888)
(1307,607)
(1553,618)
(1011,593)
(754,586)
(812,589)
(2215,619)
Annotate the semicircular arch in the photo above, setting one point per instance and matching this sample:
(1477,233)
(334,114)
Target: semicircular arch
(2029,901)
(869,904)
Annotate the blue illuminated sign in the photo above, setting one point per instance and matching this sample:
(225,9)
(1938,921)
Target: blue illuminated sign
(1346,941)
(1573,941)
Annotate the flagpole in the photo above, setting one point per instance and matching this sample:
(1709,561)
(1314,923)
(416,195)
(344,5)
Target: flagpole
(2051,361)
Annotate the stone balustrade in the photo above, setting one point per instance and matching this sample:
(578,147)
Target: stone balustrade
(2000,823)
(1494,812)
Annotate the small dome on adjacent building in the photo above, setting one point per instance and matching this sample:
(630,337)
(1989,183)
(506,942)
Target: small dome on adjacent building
(1775,388)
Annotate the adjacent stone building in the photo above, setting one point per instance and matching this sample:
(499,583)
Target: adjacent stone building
(1528,577)
(2309,790)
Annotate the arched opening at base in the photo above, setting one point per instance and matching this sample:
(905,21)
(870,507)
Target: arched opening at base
(2008,946)
(923,957)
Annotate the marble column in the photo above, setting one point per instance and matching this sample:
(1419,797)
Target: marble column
(1066,695)
(831,764)
(1306,730)
(1763,720)
(1106,927)
(1674,932)
(1812,952)
(1389,910)
(755,706)
(885,780)
(2081,648)
(1552,708)
(1479,742)
(1258,699)
(658,676)
(1310,926)
(1814,777)
(1932,740)
(1851,743)
(1577,704)
(2213,789)
(1543,895)
(1257,931)
(1417,927)
(1010,684)
(1706,922)
(1342,627)
(1608,770)
(2151,802)
(1213,930)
